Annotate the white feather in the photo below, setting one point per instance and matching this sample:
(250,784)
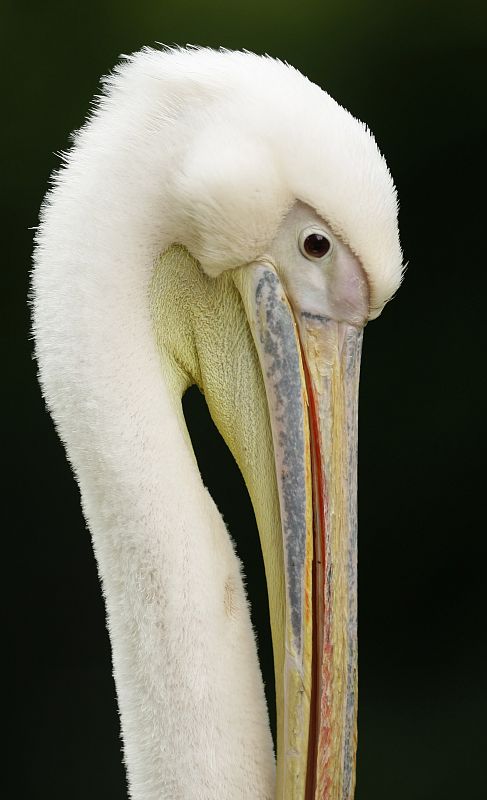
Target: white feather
(209,149)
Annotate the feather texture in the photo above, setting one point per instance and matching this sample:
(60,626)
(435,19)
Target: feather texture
(210,150)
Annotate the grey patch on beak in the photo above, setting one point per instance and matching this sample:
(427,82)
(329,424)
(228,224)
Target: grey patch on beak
(277,337)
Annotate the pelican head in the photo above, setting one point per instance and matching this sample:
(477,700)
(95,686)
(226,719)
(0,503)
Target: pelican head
(220,220)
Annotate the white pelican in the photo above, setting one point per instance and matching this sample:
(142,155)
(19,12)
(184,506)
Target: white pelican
(220,220)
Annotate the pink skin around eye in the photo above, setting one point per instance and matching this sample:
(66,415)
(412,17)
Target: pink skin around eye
(348,290)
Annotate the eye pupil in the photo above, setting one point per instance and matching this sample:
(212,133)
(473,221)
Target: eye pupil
(316,245)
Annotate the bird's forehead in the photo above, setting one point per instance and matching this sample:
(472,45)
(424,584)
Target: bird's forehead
(263,137)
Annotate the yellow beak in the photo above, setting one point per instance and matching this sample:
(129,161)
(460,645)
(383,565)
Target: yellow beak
(310,366)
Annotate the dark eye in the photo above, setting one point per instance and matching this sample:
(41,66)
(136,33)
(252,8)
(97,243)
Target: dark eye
(314,244)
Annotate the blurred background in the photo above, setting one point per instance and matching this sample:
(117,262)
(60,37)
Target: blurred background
(415,72)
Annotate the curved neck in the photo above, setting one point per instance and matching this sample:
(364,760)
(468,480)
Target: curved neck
(191,699)
(190,693)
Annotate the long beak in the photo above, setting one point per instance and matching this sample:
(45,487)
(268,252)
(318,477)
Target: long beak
(311,368)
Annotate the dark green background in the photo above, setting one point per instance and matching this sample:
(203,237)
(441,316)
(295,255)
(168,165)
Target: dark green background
(414,72)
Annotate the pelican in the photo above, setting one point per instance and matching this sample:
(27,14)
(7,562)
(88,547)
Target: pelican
(221,221)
